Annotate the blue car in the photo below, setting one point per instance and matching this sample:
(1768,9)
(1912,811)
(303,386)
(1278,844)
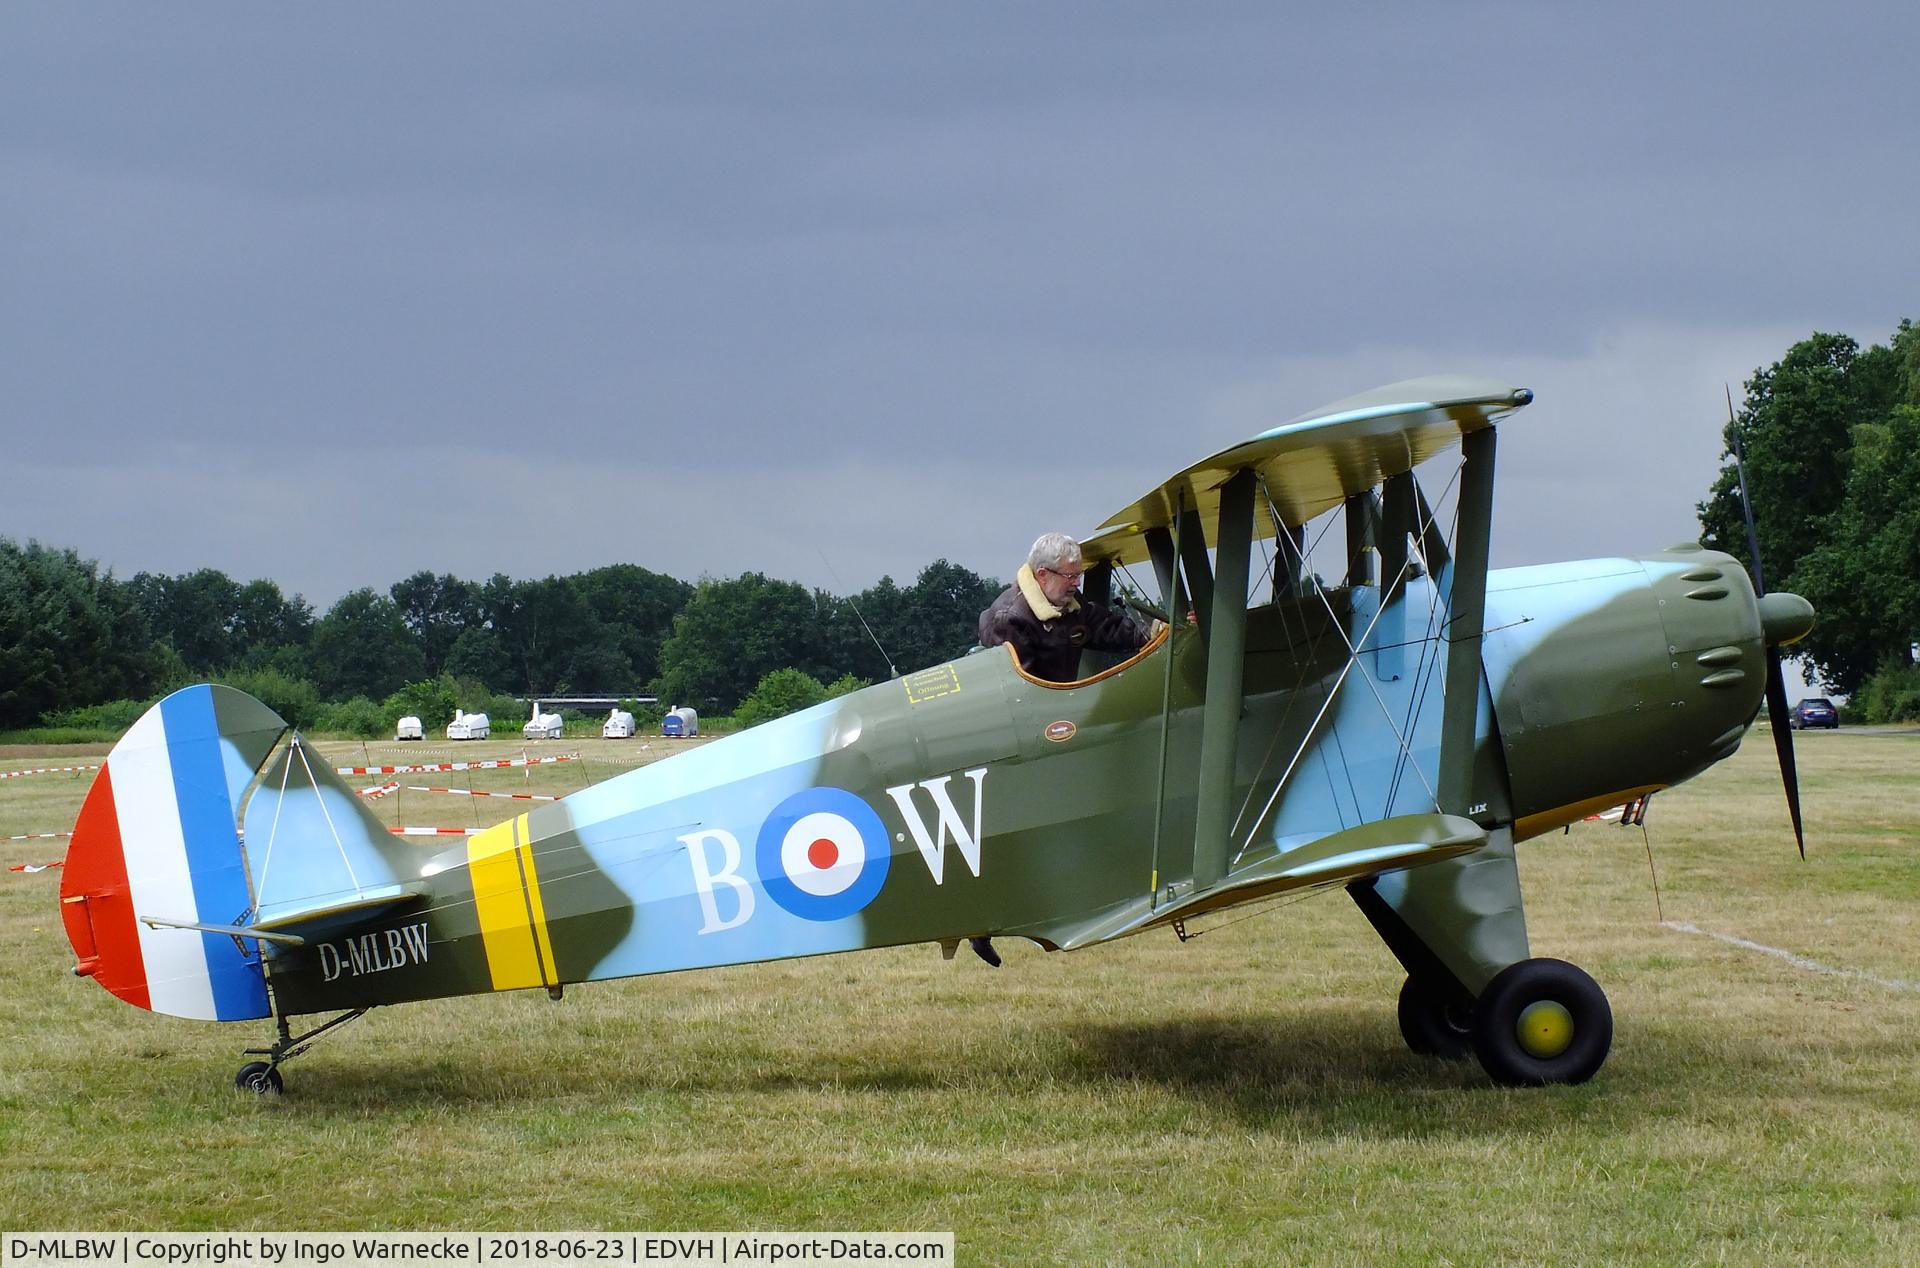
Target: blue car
(1814,711)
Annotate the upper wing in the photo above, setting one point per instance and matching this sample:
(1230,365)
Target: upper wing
(1315,462)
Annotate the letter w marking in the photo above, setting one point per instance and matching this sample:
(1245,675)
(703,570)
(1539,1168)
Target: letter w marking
(933,845)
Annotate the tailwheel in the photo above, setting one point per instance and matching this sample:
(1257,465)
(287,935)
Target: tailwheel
(1540,1022)
(1436,1020)
(259,1078)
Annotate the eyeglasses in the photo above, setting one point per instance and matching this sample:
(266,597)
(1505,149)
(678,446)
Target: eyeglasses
(1070,576)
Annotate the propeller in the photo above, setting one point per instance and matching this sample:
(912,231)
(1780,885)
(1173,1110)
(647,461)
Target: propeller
(1782,621)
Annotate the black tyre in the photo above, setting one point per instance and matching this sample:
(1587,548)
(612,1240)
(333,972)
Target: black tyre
(1436,1021)
(260,1078)
(1540,1022)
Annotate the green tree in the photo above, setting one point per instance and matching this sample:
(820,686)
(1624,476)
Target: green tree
(437,609)
(69,636)
(635,610)
(1829,451)
(547,634)
(1796,426)
(731,634)
(264,622)
(854,630)
(478,657)
(932,621)
(1864,577)
(362,647)
(194,613)
(942,614)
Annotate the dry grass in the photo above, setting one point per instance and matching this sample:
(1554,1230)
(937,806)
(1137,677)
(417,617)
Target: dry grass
(1241,1098)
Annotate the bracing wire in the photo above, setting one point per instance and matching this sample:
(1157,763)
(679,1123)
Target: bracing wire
(328,816)
(892,669)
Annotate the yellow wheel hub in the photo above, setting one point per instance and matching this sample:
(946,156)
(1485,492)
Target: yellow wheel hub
(1545,1029)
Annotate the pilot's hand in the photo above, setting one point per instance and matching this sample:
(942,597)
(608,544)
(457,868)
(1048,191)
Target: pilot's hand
(1154,627)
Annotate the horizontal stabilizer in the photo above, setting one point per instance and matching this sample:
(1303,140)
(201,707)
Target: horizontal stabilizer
(231,931)
(344,911)
(1317,461)
(1384,845)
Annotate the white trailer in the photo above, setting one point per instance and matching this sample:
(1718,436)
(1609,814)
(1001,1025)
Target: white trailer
(543,726)
(469,726)
(409,728)
(619,726)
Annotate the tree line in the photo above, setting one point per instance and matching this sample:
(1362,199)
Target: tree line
(72,635)
(1831,434)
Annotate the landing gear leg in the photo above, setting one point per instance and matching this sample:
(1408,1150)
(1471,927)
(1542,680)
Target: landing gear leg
(263,1077)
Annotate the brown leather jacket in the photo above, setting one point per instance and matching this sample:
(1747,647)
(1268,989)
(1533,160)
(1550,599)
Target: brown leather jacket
(1049,646)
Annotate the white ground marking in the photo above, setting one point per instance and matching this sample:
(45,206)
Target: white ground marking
(1797,961)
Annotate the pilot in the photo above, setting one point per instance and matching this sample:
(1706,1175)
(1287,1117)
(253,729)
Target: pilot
(1043,616)
(1046,620)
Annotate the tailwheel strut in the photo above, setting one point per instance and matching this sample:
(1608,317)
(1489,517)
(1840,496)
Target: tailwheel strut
(263,1077)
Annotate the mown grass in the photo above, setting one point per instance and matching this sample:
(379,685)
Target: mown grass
(1242,1098)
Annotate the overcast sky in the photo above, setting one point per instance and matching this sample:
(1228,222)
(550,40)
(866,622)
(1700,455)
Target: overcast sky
(332,293)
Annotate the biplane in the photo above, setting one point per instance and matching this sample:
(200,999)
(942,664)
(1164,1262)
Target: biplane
(1393,731)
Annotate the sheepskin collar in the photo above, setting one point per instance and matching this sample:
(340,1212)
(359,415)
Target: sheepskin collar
(1037,598)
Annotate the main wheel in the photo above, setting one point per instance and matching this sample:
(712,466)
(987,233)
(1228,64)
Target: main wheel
(260,1078)
(1542,1021)
(1435,1021)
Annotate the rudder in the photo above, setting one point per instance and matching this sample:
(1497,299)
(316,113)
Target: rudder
(158,836)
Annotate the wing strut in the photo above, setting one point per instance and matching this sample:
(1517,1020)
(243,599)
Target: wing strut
(1192,541)
(1467,607)
(1360,537)
(1165,567)
(1226,666)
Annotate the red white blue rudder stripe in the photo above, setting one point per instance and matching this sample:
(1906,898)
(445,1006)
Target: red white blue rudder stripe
(159,837)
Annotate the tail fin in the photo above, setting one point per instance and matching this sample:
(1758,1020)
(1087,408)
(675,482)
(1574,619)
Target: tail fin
(161,885)
(158,835)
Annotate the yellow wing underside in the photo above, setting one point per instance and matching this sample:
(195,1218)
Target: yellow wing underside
(1314,463)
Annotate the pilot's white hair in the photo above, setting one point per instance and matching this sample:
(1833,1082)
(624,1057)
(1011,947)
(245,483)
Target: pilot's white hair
(1050,550)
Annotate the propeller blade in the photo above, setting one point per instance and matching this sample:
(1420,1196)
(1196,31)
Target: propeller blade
(1777,709)
(1746,503)
(1778,715)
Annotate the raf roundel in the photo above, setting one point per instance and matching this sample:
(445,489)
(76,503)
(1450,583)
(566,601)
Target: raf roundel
(823,854)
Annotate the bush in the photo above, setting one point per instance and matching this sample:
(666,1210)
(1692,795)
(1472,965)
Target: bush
(781,692)
(114,715)
(845,684)
(1890,694)
(432,700)
(358,717)
(477,697)
(294,699)
(646,717)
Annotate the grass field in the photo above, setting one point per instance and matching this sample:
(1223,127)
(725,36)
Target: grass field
(1244,1097)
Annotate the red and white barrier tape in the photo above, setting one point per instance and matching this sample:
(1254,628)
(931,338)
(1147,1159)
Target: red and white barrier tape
(39,836)
(475,792)
(421,770)
(36,867)
(43,770)
(377,790)
(435,832)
